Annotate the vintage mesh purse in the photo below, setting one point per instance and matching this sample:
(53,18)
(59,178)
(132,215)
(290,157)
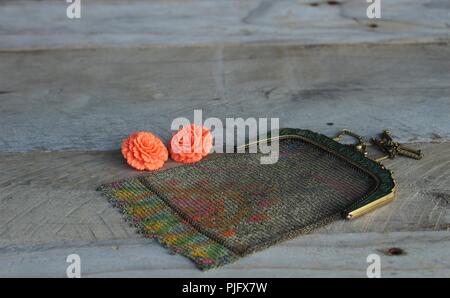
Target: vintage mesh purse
(230,205)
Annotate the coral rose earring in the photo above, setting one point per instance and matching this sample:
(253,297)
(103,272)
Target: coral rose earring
(144,151)
(190,144)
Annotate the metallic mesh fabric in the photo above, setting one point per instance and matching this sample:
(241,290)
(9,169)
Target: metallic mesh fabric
(245,205)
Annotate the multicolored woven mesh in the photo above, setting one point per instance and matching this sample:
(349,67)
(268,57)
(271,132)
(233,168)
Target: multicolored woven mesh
(230,205)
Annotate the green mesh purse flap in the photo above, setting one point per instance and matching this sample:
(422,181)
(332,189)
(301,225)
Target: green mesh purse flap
(230,205)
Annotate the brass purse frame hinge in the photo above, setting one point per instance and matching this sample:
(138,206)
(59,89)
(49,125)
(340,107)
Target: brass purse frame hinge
(391,149)
(385,144)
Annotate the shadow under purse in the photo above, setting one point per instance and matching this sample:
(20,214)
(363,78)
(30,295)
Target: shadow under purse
(230,205)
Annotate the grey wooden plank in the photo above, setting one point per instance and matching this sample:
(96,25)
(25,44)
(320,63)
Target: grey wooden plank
(84,85)
(91,99)
(425,254)
(43,24)
(50,197)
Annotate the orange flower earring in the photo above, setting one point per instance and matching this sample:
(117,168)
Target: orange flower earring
(144,151)
(190,144)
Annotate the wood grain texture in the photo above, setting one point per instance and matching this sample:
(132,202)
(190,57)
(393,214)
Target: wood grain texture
(425,254)
(136,65)
(49,197)
(43,24)
(92,99)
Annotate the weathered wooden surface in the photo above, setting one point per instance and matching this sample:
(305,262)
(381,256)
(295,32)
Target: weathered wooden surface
(124,66)
(49,208)
(43,24)
(136,65)
(425,254)
(92,99)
